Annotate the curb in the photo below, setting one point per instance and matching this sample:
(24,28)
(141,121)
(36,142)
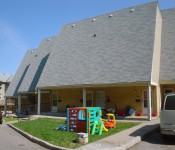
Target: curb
(138,139)
(143,132)
(37,140)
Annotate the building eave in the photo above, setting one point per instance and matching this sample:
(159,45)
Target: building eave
(145,83)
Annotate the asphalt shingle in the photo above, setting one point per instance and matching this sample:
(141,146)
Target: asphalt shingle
(20,74)
(37,64)
(167,62)
(115,49)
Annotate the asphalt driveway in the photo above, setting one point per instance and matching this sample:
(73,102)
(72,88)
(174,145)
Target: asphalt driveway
(11,140)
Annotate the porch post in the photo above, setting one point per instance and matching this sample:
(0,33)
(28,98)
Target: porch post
(19,103)
(5,107)
(84,97)
(149,102)
(159,99)
(39,101)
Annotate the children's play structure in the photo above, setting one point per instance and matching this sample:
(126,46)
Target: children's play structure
(88,120)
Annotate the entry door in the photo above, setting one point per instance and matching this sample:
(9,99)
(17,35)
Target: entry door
(54,102)
(89,99)
(101,99)
(145,103)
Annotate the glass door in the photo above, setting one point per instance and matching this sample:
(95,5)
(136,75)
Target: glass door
(145,108)
(145,103)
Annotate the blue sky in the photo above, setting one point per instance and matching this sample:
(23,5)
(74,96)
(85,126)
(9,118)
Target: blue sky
(24,23)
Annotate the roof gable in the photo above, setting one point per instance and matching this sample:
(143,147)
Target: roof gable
(20,74)
(105,49)
(167,63)
(37,64)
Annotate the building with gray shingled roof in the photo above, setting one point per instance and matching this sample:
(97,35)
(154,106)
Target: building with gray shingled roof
(115,59)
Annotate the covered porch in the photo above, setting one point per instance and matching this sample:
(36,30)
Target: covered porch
(143,98)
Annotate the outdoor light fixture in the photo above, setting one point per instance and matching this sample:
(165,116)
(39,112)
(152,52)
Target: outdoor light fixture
(131,10)
(110,15)
(48,39)
(93,20)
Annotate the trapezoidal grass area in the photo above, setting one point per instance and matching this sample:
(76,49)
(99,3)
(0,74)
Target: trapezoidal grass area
(45,129)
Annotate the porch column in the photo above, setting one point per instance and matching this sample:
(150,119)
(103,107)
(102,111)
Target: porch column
(149,102)
(39,101)
(5,107)
(159,99)
(84,97)
(19,103)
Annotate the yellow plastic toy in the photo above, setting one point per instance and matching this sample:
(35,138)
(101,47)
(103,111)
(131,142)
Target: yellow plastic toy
(111,122)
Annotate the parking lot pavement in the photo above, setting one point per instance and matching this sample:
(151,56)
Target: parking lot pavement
(156,142)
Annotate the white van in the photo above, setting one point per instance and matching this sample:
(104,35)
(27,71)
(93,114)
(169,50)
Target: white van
(167,116)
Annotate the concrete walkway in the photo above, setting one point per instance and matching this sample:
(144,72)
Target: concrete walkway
(124,139)
(118,141)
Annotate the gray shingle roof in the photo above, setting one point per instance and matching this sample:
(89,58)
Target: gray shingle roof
(20,74)
(167,63)
(37,64)
(6,78)
(113,49)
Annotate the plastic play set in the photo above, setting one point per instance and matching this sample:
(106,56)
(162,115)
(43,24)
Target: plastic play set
(88,120)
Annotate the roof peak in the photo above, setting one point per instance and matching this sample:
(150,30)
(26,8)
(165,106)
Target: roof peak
(168,9)
(115,11)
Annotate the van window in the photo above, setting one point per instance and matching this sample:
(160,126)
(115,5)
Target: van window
(170,103)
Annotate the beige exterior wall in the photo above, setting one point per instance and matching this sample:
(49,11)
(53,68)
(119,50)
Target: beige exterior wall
(156,63)
(157,50)
(119,96)
(158,99)
(166,87)
(155,103)
(67,96)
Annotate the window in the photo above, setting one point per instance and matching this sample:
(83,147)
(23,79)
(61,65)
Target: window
(170,103)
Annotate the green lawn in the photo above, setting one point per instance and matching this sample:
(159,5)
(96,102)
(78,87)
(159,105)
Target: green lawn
(45,129)
(6,119)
